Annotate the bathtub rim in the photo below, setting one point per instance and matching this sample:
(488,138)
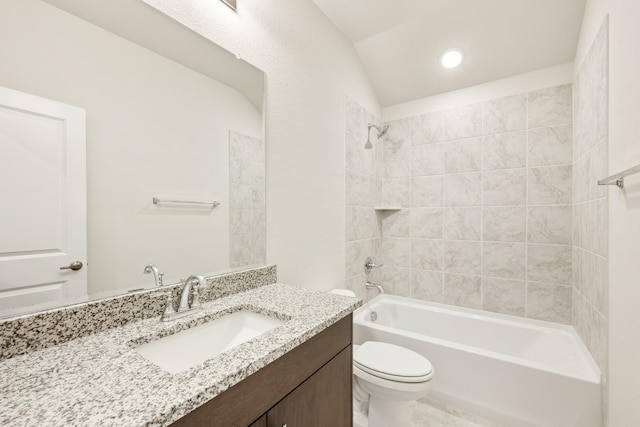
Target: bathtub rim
(594,376)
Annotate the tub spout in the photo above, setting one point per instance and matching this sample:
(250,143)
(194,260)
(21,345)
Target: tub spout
(370,285)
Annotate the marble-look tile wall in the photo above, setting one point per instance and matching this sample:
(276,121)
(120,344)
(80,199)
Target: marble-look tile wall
(363,184)
(591,202)
(247,209)
(486,191)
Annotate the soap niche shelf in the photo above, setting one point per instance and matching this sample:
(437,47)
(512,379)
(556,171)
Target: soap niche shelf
(387,208)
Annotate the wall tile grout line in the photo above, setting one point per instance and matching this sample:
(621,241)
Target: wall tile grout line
(526,215)
(482,280)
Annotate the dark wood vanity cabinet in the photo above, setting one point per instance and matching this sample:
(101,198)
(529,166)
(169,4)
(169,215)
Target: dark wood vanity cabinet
(310,386)
(321,401)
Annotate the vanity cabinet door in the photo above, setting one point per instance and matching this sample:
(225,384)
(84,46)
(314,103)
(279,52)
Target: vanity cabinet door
(323,400)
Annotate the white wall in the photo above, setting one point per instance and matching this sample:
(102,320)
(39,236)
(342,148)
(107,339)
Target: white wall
(527,82)
(309,68)
(154,128)
(624,209)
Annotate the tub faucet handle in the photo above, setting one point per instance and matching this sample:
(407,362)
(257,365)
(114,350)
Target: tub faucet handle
(369,265)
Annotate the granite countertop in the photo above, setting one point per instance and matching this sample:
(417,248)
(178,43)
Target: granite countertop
(99,380)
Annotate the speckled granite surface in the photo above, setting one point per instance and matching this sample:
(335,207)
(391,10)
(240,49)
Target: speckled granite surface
(29,332)
(99,380)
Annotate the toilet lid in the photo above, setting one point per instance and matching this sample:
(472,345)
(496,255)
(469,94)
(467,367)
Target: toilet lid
(343,292)
(392,362)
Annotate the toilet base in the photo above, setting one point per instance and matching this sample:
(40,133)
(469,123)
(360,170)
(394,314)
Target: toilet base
(360,419)
(385,413)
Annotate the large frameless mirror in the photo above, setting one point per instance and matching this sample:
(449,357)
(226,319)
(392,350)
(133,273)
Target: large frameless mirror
(173,134)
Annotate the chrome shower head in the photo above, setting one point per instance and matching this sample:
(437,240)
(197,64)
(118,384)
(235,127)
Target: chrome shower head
(382,130)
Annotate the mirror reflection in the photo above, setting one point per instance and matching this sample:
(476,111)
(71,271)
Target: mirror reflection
(173,118)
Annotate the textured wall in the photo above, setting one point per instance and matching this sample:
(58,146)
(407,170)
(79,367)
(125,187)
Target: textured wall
(624,205)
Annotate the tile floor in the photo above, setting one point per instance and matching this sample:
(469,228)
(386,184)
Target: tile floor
(429,413)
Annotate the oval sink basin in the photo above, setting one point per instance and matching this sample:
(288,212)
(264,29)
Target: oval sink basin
(186,349)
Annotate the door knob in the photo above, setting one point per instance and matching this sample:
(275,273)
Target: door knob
(75,265)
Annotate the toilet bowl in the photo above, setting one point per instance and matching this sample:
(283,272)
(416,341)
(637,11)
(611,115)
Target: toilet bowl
(389,377)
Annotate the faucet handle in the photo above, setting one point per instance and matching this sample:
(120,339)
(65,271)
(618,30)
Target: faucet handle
(198,281)
(369,265)
(168,306)
(195,300)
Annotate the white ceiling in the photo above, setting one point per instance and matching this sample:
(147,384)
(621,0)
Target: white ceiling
(400,41)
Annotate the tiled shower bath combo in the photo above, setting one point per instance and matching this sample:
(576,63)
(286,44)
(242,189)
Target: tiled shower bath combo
(491,206)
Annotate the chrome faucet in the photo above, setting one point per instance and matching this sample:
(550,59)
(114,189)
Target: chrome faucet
(368,266)
(370,285)
(157,276)
(184,309)
(186,290)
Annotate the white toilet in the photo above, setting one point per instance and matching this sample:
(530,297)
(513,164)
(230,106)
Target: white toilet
(388,377)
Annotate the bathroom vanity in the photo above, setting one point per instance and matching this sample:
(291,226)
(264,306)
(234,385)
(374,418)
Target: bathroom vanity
(297,374)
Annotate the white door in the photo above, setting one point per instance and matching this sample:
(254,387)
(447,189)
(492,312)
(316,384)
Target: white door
(42,202)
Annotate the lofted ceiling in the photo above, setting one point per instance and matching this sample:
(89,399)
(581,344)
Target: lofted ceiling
(400,41)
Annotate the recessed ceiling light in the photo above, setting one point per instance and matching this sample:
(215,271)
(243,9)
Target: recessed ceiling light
(451,58)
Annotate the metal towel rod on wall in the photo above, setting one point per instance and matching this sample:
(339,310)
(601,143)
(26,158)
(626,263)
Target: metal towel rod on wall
(213,204)
(618,179)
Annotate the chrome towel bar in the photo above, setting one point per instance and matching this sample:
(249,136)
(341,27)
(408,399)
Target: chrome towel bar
(213,203)
(618,179)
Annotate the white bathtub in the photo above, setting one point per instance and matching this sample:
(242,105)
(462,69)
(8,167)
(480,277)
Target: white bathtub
(515,371)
